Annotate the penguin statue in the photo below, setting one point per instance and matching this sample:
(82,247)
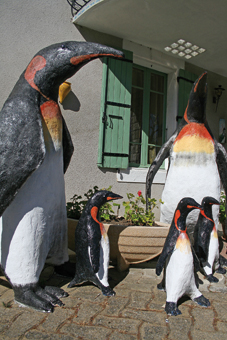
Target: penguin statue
(178,256)
(197,161)
(35,151)
(206,239)
(92,245)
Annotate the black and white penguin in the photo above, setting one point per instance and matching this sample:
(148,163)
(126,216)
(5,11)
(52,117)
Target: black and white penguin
(196,160)
(206,240)
(177,255)
(35,151)
(92,245)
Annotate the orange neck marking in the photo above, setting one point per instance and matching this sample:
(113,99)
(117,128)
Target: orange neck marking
(186,115)
(195,88)
(36,64)
(177,215)
(94,212)
(203,213)
(194,129)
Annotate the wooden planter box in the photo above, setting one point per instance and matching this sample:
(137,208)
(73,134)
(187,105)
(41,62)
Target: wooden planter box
(129,245)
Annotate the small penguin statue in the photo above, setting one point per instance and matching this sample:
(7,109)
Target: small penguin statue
(206,240)
(179,272)
(92,245)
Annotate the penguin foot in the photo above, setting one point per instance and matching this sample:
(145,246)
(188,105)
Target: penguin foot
(107,291)
(56,291)
(76,281)
(171,309)
(34,296)
(202,301)
(221,270)
(161,287)
(212,278)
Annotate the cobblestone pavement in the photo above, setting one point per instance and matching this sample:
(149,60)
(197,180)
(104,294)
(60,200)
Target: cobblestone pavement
(136,312)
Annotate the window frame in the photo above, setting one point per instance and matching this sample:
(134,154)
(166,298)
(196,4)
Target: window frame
(145,115)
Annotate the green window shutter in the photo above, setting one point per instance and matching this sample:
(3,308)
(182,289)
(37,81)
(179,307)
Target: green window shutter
(185,80)
(115,113)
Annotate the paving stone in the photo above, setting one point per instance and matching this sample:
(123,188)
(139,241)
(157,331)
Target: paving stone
(203,319)
(145,287)
(179,328)
(87,311)
(122,324)
(86,332)
(36,335)
(88,292)
(198,335)
(149,332)
(121,336)
(136,312)
(121,291)
(145,315)
(24,322)
(54,320)
(7,296)
(216,296)
(139,299)
(115,305)
(221,309)
(221,326)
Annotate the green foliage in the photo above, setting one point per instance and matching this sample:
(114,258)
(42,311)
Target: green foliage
(135,211)
(222,213)
(76,206)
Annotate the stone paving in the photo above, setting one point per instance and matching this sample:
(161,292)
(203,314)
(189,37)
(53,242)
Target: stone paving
(136,312)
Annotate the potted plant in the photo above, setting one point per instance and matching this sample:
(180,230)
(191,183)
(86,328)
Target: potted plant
(134,238)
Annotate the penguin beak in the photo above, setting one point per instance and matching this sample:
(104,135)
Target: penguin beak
(92,51)
(113,197)
(195,207)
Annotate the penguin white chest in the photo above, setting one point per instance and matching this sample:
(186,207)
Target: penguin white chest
(104,259)
(34,227)
(193,171)
(180,271)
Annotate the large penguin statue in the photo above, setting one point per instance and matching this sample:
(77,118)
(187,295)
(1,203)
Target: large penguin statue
(206,240)
(35,151)
(197,161)
(177,254)
(92,245)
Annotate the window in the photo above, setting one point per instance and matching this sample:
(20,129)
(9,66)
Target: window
(147,125)
(132,120)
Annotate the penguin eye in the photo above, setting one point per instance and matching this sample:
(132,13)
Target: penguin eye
(63,46)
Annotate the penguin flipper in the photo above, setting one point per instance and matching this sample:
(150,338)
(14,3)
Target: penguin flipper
(221,158)
(68,147)
(167,249)
(196,261)
(94,239)
(22,147)
(161,156)
(162,259)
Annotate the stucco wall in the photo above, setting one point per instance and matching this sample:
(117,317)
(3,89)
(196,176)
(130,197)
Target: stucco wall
(28,26)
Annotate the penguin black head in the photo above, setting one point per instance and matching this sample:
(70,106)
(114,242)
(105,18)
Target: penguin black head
(208,200)
(184,207)
(101,197)
(54,64)
(196,108)
(207,204)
